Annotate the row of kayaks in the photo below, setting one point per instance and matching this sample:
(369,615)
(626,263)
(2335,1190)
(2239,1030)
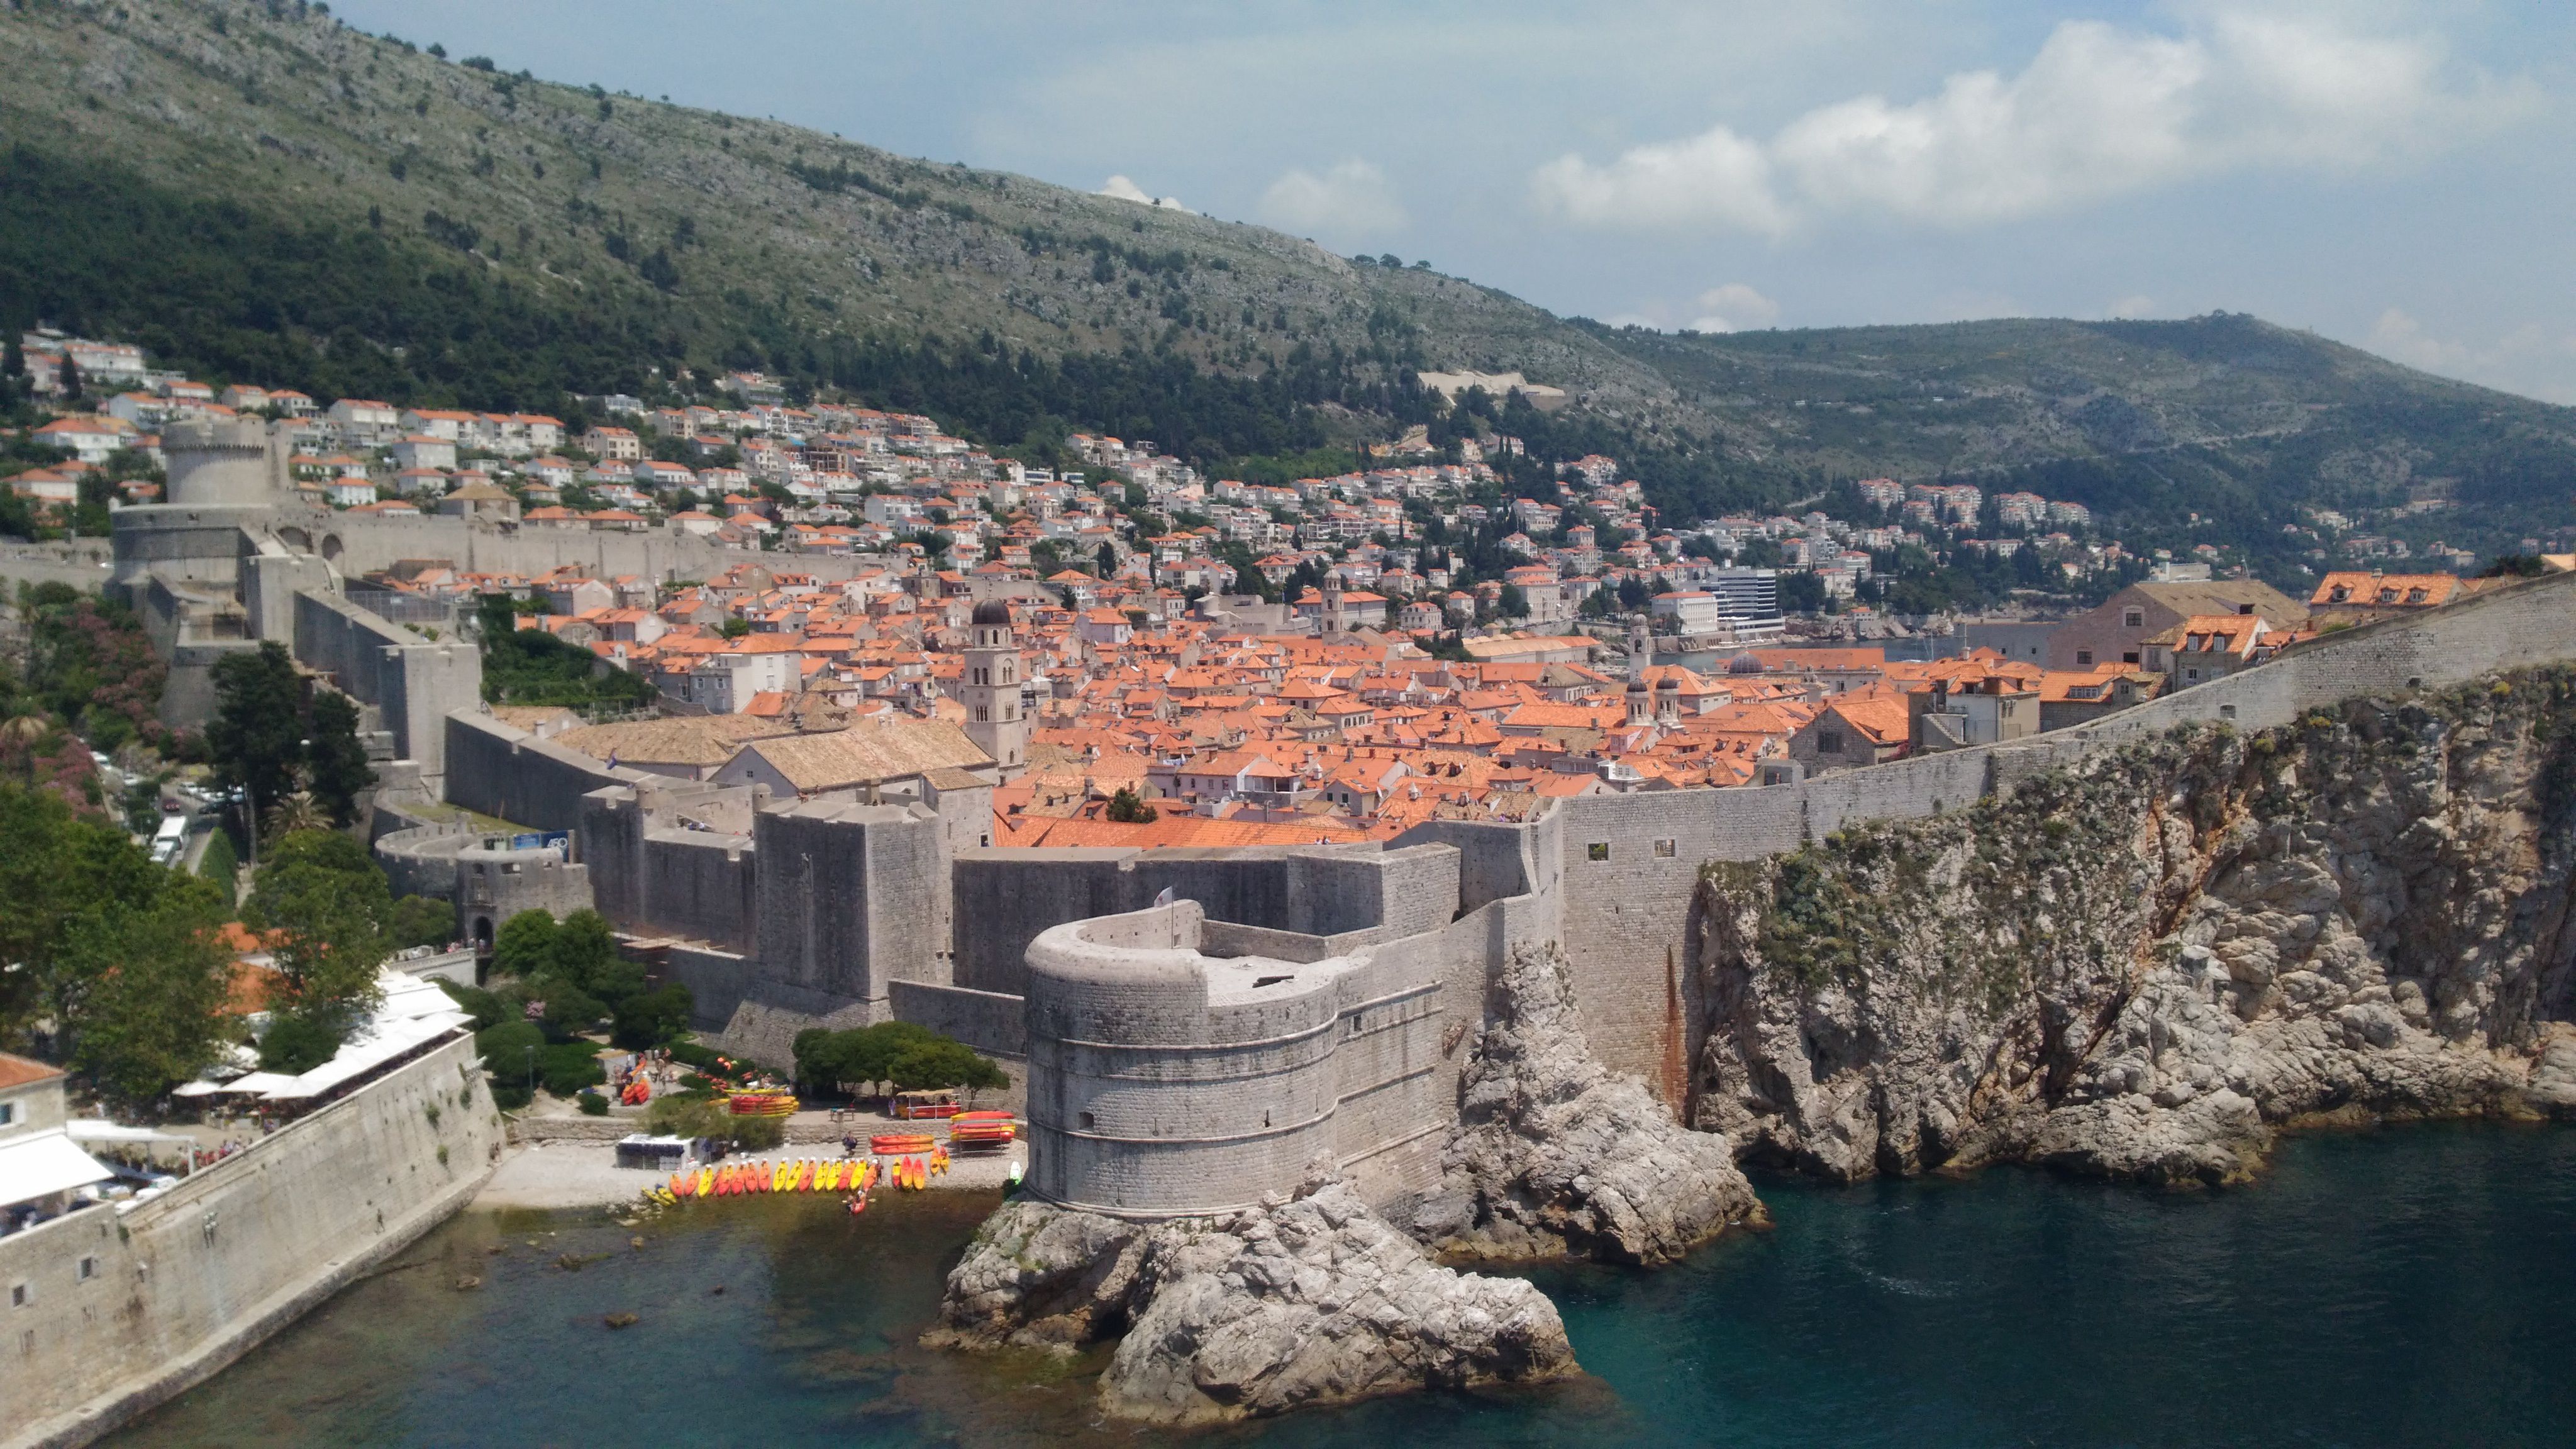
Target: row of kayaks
(804,1175)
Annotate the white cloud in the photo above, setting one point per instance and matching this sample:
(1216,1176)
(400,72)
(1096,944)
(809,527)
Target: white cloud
(1119,188)
(2100,111)
(2527,360)
(1718,178)
(1352,198)
(1734,307)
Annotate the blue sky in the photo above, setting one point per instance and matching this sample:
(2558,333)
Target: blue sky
(2399,176)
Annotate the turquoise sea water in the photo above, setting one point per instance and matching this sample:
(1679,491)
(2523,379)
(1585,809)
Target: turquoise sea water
(2399,1287)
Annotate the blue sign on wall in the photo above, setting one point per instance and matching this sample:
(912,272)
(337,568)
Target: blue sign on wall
(529,841)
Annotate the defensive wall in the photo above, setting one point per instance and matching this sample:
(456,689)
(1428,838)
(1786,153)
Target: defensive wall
(364,543)
(126,1310)
(508,773)
(1172,1073)
(414,684)
(1006,898)
(1631,862)
(1181,1062)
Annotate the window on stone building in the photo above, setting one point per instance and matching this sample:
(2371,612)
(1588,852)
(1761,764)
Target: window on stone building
(2083,658)
(20,1295)
(1089,1121)
(1597,850)
(1667,849)
(8,1113)
(1829,742)
(86,1270)
(2133,618)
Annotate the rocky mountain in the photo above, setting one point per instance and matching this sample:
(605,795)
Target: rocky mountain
(252,188)
(2146,965)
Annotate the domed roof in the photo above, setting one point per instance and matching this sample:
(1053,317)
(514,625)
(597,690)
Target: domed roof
(993,611)
(1744,663)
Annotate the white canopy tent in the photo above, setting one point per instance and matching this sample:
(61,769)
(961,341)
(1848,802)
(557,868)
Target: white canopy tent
(44,1163)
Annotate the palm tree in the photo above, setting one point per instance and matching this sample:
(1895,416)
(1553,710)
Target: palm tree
(298,811)
(21,733)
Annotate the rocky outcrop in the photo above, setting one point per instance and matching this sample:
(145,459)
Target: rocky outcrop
(1554,1155)
(1308,1299)
(2147,964)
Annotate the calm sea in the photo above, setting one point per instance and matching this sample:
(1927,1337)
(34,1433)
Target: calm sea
(2406,1286)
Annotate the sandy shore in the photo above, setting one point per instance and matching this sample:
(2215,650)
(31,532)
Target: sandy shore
(583,1174)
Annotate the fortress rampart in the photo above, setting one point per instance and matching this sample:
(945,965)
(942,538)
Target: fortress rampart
(1631,862)
(127,1309)
(1170,1071)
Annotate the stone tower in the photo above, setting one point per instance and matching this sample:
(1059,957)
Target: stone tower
(992,689)
(1641,695)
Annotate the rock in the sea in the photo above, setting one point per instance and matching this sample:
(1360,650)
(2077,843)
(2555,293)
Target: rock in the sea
(2144,965)
(1041,1276)
(1553,1154)
(1309,1299)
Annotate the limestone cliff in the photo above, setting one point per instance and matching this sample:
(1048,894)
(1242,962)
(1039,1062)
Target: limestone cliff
(1554,1155)
(2145,964)
(1309,1299)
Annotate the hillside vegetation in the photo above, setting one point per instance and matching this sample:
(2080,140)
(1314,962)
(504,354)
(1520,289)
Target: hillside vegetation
(256,190)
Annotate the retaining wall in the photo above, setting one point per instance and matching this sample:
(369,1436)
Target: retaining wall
(184,1284)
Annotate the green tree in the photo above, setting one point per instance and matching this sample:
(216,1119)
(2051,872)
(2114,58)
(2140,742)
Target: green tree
(1129,808)
(1514,603)
(147,1011)
(862,1055)
(336,762)
(327,907)
(421,921)
(525,945)
(654,1018)
(58,870)
(944,1063)
(255,738)
(118,955)
(221,866)
(293,1045)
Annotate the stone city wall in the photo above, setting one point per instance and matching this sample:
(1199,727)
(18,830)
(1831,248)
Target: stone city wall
(509,773)
(413,682)
(421,860)
(180,1286)
(653,877)
(1149,1098)
(361,544)
(1006,898)
(1631,862)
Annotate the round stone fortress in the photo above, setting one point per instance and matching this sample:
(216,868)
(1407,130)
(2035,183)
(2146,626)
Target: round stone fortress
(1168,1077)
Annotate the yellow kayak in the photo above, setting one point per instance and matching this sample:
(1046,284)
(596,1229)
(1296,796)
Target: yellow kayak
(706,1182)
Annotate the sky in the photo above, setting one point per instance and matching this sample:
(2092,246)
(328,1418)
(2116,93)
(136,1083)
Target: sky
(2399,176)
